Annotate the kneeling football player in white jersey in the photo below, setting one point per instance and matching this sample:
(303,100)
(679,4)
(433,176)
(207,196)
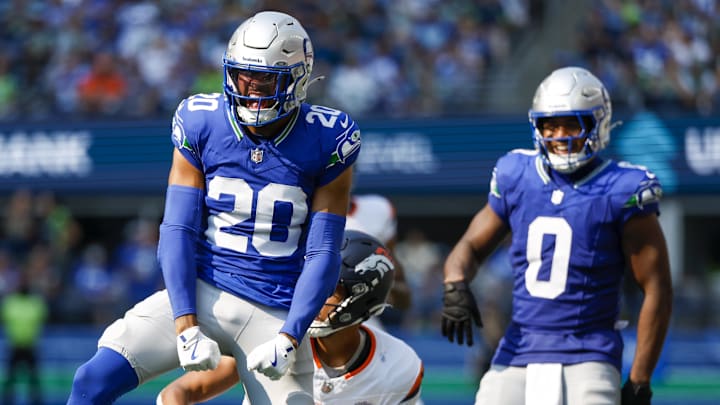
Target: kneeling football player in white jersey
(353,362)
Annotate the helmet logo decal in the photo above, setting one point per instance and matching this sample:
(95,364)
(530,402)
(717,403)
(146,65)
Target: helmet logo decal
(253,59)
(375,262)
(347,145)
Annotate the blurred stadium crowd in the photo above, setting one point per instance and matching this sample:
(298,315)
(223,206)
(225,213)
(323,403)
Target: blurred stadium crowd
(136,59)
(86,279)
(94,58)
(113,59)
(82,280)
(655,54)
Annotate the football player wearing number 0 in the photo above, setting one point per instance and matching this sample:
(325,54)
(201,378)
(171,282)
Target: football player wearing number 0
(577,221)
(250,240)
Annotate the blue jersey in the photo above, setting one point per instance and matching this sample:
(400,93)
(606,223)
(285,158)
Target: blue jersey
(259,192)
(567,256)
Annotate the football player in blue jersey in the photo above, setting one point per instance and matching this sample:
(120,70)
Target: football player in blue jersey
(348,367)
(373,215)
(577,221)
(249,244)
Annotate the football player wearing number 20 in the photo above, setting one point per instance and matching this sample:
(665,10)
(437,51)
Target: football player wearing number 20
(249,244)
(355,363)
(577,222)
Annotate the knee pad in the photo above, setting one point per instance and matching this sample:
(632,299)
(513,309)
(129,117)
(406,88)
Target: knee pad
(102,379)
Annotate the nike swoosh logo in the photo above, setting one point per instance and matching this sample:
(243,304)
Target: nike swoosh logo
(344,122)
(192,355)
(274,362)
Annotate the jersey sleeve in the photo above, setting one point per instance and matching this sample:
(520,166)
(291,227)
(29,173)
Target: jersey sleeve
(500,184)
(643,194)
(413,395)
(184,134)
(342,150)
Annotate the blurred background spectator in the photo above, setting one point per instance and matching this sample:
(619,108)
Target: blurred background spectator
(23,313)
(404,58)
(422,259)
(119,59)
(660,55)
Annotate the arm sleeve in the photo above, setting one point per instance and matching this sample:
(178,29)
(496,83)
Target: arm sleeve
(319,275)
(176,248)
(346,150)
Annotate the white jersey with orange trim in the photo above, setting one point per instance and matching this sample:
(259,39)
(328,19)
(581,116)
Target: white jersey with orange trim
(391,374)
(372,214)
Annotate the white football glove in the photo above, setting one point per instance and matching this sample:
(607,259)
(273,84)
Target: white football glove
(272,358)
(196,351)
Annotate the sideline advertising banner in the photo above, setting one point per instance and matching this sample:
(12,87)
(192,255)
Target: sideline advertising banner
(398,157)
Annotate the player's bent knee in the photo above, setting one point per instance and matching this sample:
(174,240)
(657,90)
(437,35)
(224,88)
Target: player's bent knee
(101,380)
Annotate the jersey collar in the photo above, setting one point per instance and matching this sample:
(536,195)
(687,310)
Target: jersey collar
(576,179)
(239,133)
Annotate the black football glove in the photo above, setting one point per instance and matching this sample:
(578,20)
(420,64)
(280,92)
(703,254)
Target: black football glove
(459,310)
(635,394)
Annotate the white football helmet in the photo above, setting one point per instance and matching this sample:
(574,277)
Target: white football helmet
(275,46)
(572,91)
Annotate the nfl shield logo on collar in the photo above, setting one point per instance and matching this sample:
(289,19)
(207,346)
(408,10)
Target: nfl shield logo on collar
(256,155)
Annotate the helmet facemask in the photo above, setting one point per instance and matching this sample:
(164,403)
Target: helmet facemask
(580,148)
(269,94)
(355,308)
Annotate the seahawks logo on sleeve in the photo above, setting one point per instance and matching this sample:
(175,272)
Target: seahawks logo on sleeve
(347,144)
(648,192)
(494,190)
(178,131)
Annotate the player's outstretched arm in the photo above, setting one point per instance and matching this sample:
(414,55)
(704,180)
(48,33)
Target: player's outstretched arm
(646,253)
(460,310)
